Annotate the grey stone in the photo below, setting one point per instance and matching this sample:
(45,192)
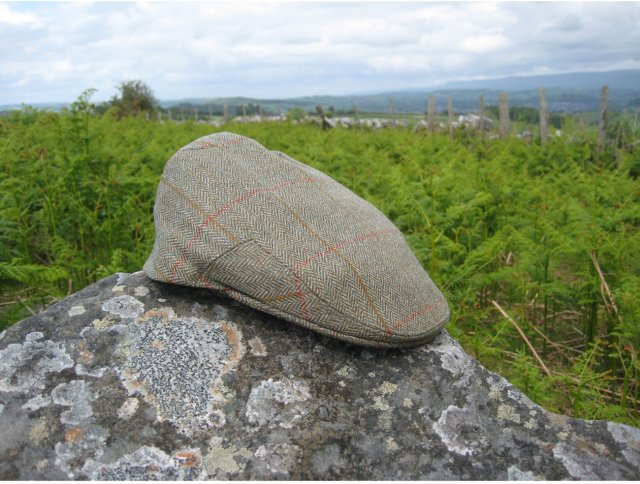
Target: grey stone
(134,379)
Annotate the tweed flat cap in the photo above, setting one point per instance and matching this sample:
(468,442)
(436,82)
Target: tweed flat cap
(289,240)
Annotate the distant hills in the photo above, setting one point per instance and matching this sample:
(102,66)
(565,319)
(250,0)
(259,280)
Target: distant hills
(616,80)
(573,92)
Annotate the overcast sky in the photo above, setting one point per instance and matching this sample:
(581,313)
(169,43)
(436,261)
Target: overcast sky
(53,51)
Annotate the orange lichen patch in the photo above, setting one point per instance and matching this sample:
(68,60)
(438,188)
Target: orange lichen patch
(159,345)
(235,342)
(132,384)
(188,458)
(165,314)
(73,435)
(86,357)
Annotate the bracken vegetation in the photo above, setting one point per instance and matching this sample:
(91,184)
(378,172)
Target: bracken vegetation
(548,235)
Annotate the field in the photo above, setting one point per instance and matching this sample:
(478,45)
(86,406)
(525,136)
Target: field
(548,234)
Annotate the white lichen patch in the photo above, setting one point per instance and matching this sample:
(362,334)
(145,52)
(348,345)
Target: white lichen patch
(122,276)
(24,367)
(77,395)
(76,311)
(38,433)
(257,347)
(150,463)
(279,459)
(81,450)
(101,324)
(346,370)
(584,465)
(380,394)
(2,408)
(407,403)
(531,424)
(141,291)
(495,392)
(37,402)
(118,288)
(217,419)
(128,408)
(34,336)
(224,459)
(458,430)
(2,333)
(629,439)
(387,388)
(515,474)
(279,402)
(452,358)
(507,412)
(521,398)
(390,444)
(175,364)
(385,420)
(126,307)
(95,372)
(380,403)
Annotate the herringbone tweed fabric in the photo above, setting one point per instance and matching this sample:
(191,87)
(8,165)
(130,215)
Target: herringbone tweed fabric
(286,239)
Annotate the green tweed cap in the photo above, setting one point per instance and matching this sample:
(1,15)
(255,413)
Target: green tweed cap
(288,240)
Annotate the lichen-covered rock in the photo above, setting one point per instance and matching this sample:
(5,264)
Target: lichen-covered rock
(133,379)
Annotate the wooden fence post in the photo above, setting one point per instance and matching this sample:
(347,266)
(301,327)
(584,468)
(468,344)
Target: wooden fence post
(450,110)
(210,114)
(481,114)
(225,112)
(544,118)
(602,127)
(504,114)
(431,114)
(392,108)
(244,112)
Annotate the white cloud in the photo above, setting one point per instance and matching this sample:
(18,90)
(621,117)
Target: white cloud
(15,17)
(185,49)
(483,44)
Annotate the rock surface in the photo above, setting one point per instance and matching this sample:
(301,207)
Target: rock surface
(133,379)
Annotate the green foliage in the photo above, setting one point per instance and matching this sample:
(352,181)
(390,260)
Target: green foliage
(504,220)
(135,98)
(295,114)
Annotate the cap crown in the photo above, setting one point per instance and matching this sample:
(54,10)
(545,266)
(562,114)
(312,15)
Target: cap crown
(289,240)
